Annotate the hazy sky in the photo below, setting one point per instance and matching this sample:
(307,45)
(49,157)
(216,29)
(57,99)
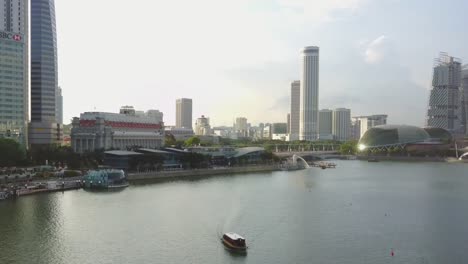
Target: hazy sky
(238,57)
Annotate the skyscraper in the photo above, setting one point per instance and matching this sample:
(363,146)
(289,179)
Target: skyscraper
(341,124)
(325,124)
(309,94)
(184,113)
(44,129)
(464,97)
(59,106)
(444,102)
(295,110)
(14,70)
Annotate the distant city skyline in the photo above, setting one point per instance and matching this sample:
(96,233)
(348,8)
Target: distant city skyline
(245,68)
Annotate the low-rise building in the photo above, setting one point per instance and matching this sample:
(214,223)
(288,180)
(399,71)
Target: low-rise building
(202,126)
(100,130)
(279,131)
(361,124)
(179,133)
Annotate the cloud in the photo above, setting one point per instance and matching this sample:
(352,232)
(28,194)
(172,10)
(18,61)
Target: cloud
(318,10)
(376,50)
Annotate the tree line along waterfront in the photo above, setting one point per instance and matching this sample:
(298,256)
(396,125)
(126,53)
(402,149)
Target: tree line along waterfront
(12,154)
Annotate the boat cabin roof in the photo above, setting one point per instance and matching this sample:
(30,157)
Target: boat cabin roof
(234,236)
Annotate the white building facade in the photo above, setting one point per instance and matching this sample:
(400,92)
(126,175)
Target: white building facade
(184,113)
(295,110)
(309,94)
(104,131)
(202,126)
(363,123)
(341,124)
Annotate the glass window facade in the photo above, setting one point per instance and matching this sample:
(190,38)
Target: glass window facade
(43,61)
(13,89)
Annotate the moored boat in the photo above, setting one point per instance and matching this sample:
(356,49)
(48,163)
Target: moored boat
(234,242)
(105,179)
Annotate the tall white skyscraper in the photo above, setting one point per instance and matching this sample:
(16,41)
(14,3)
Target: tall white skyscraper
(341,124)
(309,94)
(184,113)
(444,102)
(325,124)
(14,70)
(295,110)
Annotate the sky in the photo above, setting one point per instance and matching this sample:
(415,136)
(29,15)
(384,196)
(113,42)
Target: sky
(237,57)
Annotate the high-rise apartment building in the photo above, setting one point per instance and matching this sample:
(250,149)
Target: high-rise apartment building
(295,110)
(341,124)
(288,122)
(14,70)
(184,113)
(309,94)
(444,101)
(325,124)
(44,128)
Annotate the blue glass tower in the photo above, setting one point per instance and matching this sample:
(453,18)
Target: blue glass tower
(44,129)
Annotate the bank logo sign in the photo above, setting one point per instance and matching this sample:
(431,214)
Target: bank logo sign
(11,36)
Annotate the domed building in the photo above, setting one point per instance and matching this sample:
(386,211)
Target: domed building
(438,134)
(403,137)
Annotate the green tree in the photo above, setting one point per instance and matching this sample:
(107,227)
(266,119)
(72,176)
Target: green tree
(193,141)
(11,153)
(170,140)
(349,148)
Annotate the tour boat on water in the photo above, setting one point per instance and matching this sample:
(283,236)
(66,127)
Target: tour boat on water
(105,179)
(234,242)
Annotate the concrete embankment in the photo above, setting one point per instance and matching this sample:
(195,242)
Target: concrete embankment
(402,158)
(199,172)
